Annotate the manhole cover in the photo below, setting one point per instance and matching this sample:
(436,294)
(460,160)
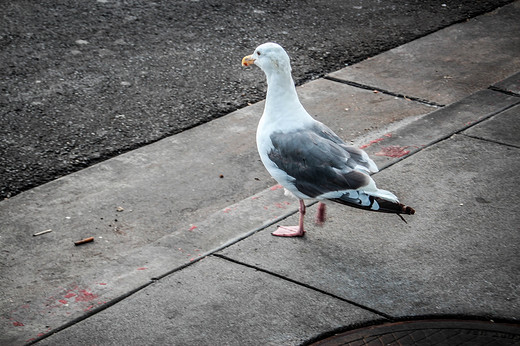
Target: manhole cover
(433,332)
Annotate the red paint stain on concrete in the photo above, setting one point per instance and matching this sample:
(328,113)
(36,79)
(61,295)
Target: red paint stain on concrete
(102,283)
(18,324)
(282,205)
(85,296)
(227,210)
(193,227)
(69,295)
(63,301)
(276,187)
(374,141)
(142,268)
(393,151)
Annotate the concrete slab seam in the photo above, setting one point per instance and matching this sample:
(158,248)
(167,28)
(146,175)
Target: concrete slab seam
(455,132)
(491,141)
(226,244)
(88,314)
(382,314)
(507,92)
(490,115)
(383,91)
(159,277)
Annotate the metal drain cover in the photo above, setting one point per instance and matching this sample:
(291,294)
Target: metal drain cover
(429,332)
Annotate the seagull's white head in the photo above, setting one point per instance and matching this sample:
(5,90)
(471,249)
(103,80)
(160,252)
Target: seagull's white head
(270,57)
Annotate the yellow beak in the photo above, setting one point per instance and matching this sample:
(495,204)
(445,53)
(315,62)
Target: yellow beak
(248,60)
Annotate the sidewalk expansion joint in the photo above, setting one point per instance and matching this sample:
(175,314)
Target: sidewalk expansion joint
(386,92)
(358,305)
(488,116)
(491,141)
(157,278)
(452,133)
(89,314)
(503,91)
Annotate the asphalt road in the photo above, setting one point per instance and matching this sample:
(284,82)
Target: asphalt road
(85,81)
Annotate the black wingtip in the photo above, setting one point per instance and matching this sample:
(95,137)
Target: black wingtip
(385,206)
(393,207)
(408,210)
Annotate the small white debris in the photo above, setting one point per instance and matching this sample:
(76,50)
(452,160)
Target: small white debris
(42,232)
(81,42)
(126,83)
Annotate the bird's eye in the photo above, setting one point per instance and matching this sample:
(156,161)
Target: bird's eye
(258,53)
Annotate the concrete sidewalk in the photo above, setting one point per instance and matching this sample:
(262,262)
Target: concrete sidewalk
(183,252)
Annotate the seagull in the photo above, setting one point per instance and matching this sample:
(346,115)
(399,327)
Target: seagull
(306,157)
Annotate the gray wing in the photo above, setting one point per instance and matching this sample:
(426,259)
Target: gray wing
(318,160)
(358,155)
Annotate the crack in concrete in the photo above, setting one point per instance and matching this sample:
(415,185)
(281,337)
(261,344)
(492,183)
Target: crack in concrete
(351,302)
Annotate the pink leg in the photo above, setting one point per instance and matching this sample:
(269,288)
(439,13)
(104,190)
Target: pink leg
(321,214)
(292,231)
